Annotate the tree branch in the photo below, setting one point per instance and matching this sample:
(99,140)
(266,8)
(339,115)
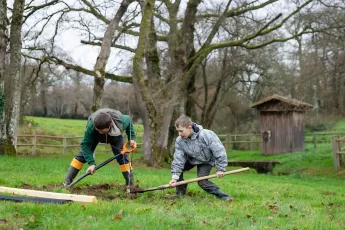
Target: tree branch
(33,9)
(95,13)
(57,61)
(134,33)
(113,45)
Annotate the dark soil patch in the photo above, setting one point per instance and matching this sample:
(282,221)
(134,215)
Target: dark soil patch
(101,191)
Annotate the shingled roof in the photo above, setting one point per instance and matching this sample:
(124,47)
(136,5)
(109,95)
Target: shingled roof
(292,102)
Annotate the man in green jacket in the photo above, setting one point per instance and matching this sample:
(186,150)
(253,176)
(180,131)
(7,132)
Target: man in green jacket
(104,126)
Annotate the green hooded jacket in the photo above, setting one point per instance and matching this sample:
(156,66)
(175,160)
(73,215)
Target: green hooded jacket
(92,136)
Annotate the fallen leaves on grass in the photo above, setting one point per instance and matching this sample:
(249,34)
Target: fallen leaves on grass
(204,222)
(117,218)
(3,221)
(251,218)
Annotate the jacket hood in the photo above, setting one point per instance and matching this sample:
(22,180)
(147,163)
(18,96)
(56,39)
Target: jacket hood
(196,130)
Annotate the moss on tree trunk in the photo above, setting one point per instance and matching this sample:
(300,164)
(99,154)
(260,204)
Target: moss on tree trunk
(9,147)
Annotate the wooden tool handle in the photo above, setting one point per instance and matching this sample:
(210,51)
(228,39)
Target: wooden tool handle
(191,180)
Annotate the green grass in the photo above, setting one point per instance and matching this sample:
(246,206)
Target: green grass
(340,125)
(262,201)
(316,162)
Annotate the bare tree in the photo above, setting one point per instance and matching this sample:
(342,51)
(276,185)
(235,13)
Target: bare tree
(185,59)
(14,74)
(8,135)
(3,45)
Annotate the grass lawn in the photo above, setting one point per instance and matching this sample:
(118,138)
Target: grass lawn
(340,125)
(303,192)
(261,201)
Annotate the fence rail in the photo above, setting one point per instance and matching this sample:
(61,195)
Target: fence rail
(230,141)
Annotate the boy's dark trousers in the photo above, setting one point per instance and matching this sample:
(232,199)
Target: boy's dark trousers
(208,186)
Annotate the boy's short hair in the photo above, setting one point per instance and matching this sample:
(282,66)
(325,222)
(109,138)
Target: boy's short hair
(102,121)
(183,121)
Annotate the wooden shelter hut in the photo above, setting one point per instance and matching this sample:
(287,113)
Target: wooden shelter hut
(282,124)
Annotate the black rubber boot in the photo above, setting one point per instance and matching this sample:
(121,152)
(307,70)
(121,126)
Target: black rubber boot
(129,177)
(180,191)
(71,174)
(221,195)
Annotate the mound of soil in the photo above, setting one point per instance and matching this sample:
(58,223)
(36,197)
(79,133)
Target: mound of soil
(101,191)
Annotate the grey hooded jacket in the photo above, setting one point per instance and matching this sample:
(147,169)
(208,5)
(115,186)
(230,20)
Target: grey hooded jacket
(203,147)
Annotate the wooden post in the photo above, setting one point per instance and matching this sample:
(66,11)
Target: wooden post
(34,141)
(340,156)
(64,144)
(314,140)
(335,155)
(227,142)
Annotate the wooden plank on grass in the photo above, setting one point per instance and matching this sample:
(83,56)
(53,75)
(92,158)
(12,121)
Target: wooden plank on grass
(52,195)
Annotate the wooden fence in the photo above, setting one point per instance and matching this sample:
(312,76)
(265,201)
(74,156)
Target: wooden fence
(230,141)
(35,143)
(338,149)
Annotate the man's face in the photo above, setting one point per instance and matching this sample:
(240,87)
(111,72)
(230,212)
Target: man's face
(184,132)
(103,131)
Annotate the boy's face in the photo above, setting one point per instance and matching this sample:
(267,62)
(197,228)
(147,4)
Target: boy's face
(184,132)
(103,131)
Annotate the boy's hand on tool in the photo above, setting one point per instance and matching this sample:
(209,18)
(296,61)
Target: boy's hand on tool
(91,169)
(220,174)
(132,143)
(172,182)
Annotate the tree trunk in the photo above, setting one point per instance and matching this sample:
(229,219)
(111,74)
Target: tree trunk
(211,109)
(152,118)
(43,88)
(15,64)
(3,45)
(103,56)
(160,108)
(172,133)
(146,147)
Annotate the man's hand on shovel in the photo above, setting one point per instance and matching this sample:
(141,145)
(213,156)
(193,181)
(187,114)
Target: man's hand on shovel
(91,169)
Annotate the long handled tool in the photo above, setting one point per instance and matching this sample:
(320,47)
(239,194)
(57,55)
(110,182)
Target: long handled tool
(189,181)
(123,151)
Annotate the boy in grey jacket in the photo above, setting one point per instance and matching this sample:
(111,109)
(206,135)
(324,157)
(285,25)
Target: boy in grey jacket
(199,147)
